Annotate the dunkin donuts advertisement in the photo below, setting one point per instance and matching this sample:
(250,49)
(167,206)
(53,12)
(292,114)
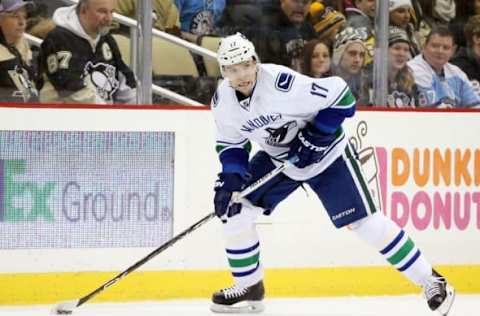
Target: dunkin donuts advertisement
(425,186)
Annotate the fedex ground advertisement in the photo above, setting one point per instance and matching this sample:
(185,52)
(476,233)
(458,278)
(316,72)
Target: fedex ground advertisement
(85,189)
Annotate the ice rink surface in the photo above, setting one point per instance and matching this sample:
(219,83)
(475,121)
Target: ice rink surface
(465,305)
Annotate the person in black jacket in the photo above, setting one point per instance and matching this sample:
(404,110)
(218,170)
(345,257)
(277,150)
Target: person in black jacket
(16,71)
(468,58)
(281,37)
(80,61)
(464,10)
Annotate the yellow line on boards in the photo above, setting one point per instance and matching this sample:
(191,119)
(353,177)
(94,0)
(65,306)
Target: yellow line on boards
(45,288)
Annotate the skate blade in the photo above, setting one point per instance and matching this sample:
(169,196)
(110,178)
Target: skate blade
(247,307)
(444,308)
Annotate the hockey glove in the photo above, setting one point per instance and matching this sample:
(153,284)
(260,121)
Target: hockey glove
(309,146)
(225,186)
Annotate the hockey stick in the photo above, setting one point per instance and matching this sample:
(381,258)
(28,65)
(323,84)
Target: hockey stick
(67,307)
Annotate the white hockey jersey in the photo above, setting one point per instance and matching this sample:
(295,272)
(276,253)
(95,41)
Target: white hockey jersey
(283,102)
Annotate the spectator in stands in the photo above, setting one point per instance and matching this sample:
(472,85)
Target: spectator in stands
(468,58)
(440,83)
(239,16)
(326,21)
(437,12)
(402,90)
(362,18)
(444,11)
(337,5)
(362,15)
(464,10)
(281,39)
(429,14)
(420,22)
(40,22)
(400,17)
(47,7)
(165,14)
(347,3)
(348,60)
(16,72)
(199,17)
(80,61)
(317,59)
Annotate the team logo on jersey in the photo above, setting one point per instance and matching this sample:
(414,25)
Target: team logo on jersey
(284,81)
(279,134)
(20,78)
(400,99)
(103,78)
(202,22)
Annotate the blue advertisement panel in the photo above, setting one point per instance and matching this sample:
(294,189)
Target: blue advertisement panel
(85,189)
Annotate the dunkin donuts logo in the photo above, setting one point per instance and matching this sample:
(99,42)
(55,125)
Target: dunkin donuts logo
(427,188)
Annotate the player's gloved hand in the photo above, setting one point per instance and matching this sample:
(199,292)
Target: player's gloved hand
(309,146)
(225,186)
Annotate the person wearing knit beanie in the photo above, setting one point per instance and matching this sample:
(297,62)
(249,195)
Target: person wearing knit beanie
(345,39)
(402,90)
(326,21)
(349,55)
(400,14)
(396,34)
(395,4)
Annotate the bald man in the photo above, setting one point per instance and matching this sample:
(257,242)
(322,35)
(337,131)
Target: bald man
(80,61)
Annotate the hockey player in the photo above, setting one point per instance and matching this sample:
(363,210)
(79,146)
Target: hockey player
(288,114)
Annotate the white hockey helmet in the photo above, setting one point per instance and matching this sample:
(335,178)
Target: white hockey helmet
(235,49)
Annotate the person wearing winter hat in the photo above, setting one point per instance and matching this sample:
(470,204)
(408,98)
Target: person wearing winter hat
(348,61)
(399,12)
(362,18)
(14,5)
(16,71)
(326,21)
(400,16)
(402,90)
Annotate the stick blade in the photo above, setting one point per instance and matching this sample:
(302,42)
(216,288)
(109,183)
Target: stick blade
(65,308)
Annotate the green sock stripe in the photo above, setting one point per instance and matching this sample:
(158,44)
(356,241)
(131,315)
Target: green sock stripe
(402,252)
(360,178)
(239,263)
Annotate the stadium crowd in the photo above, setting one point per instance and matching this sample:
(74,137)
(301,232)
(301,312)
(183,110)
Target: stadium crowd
(433,47)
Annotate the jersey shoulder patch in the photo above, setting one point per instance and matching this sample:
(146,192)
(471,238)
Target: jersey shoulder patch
(284,81)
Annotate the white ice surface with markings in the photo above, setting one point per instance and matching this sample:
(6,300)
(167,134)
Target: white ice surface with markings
(410,305)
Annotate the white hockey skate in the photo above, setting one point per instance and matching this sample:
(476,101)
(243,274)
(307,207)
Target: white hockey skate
(239,299)
(439,294)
